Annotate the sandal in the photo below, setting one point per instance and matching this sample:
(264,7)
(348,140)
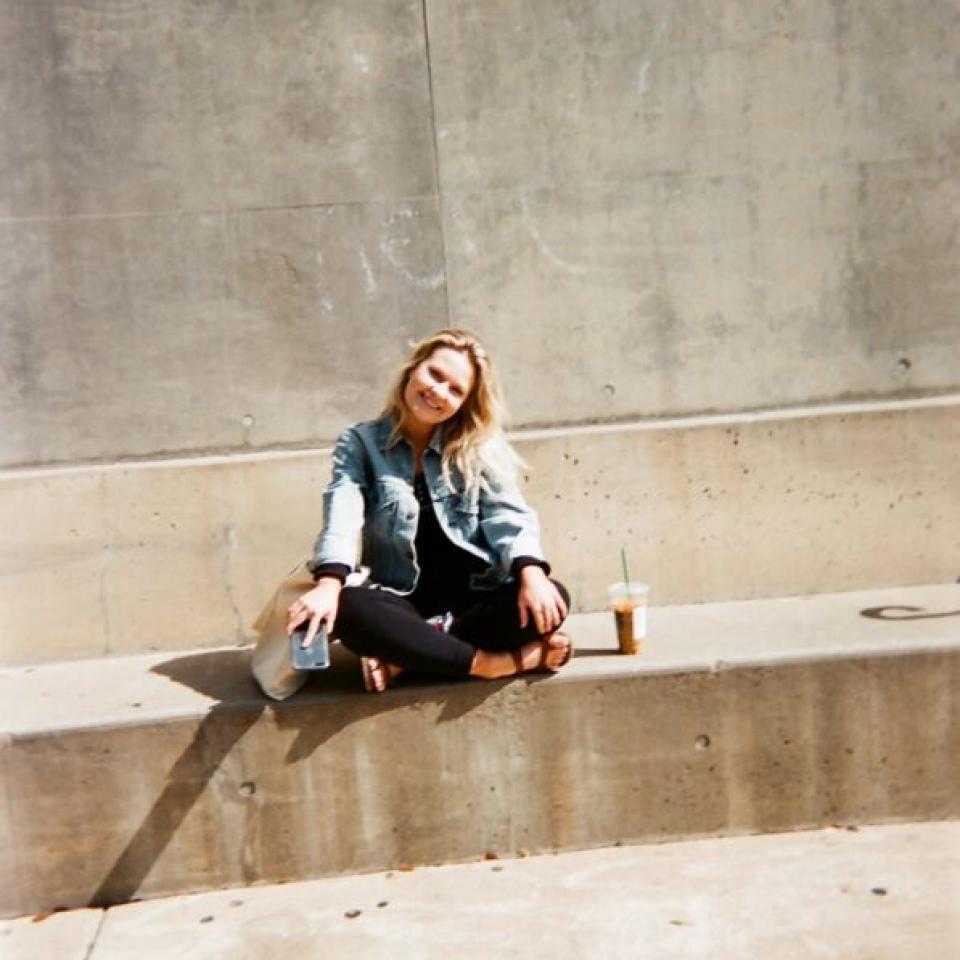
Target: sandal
(374,667)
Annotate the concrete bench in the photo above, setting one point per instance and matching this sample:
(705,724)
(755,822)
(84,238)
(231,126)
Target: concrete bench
(148,775)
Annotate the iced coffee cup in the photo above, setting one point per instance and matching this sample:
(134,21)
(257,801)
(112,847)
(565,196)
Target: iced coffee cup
(628,601)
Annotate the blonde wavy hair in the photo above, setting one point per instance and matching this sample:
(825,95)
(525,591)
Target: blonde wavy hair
(473,439)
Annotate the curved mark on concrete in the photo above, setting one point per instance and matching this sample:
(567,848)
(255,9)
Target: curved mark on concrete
(428,281)
(548,252)
(910,613)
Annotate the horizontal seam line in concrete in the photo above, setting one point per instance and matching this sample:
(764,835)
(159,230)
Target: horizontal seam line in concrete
(692,421)
(263,704)
(746,417)
(554,185)
(565,185)
(216,211)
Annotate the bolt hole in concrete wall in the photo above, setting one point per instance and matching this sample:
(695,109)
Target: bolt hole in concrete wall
(246,422)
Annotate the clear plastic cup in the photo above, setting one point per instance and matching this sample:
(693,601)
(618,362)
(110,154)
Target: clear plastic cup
(628,601)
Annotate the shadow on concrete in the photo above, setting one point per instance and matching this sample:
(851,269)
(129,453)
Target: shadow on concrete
(224,676)
(216,736)
(908,613)
(330,702)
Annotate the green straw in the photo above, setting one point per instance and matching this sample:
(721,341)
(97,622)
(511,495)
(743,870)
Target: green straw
(623,562)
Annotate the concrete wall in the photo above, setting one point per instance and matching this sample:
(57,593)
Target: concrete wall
(221,222)
(711,206)
(179,554)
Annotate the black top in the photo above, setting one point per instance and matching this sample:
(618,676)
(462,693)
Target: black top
(445,568)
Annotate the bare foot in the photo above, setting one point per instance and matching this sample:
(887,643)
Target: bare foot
(556,649)
(549,654)
(378,674)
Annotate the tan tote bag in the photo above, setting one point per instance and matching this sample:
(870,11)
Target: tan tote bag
(272,668)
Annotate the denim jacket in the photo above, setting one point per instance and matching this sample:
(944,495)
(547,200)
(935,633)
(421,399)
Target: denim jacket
(370,499)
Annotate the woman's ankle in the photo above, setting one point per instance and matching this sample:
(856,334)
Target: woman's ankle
(494,666)
(480,665)
(491,666)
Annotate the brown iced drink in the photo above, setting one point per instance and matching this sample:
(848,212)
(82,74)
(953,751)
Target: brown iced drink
(623,615)
(628,601)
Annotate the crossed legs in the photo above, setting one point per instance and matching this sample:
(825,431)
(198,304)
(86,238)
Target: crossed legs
(485,640)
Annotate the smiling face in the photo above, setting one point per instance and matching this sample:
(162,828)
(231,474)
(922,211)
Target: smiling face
(438,387)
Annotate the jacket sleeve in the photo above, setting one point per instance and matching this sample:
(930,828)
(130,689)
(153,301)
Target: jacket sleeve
(508,522)
(343,505)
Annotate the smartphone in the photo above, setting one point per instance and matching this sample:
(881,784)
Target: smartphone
(314,657)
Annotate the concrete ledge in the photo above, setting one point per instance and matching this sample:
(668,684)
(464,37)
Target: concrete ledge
(182,554)
(147,776)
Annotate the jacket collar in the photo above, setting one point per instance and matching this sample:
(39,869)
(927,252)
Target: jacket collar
(389,439)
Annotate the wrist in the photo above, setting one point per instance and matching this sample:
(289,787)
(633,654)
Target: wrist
(524,561)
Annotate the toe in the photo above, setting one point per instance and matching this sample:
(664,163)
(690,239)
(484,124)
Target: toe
(559,650)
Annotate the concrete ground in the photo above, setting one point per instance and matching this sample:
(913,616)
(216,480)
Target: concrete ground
(869,893)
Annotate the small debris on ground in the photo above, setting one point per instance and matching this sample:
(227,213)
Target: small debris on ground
(879,891)
(352,914)
(206,919)
(383,903)
(497,868)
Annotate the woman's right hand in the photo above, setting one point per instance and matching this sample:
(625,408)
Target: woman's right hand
(318,605)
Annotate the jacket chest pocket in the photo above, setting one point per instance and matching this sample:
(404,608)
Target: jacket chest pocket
(463,511)
(393,507)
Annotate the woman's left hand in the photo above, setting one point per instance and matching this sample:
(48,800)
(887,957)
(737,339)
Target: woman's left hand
(539,600)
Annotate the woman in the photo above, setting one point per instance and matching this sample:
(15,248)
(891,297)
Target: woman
(458,582)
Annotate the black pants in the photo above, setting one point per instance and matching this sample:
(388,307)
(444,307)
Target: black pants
(377,623)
